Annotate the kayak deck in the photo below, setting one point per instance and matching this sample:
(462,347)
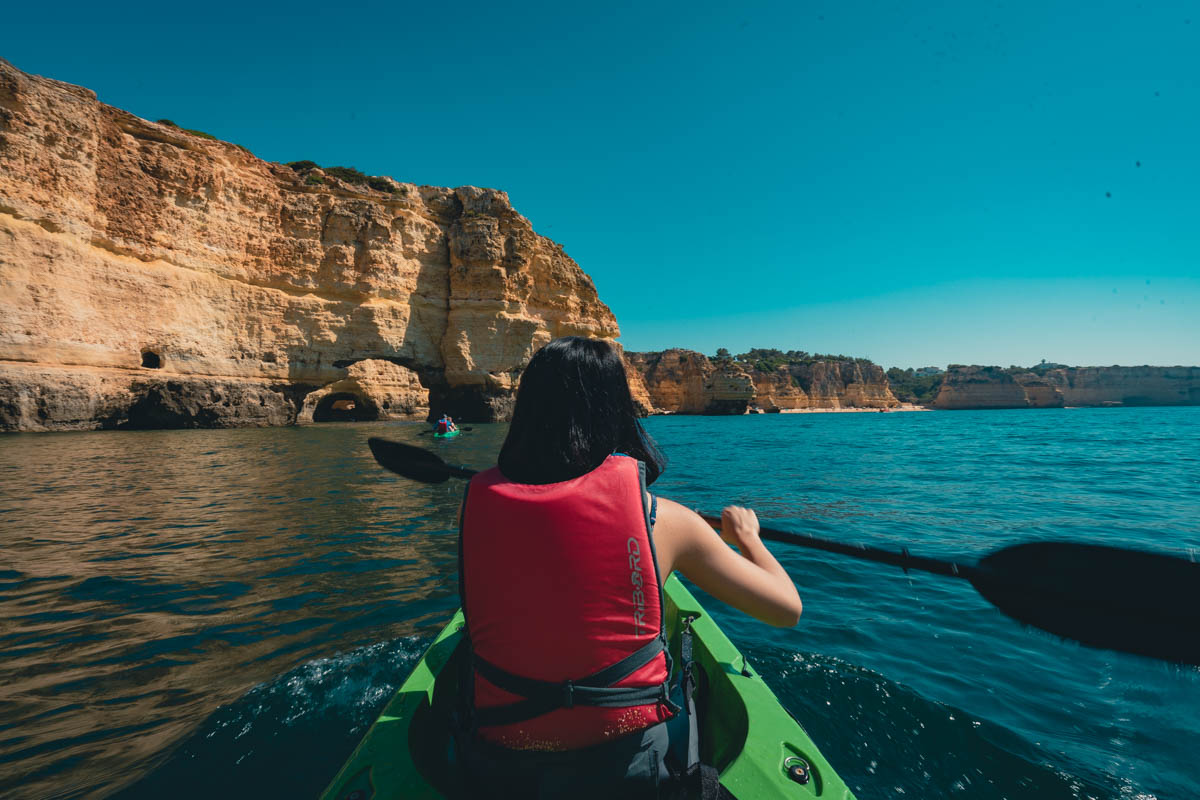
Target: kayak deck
(393,761)
(446,435)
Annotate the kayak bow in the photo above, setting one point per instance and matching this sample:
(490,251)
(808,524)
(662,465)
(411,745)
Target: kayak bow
(752,740)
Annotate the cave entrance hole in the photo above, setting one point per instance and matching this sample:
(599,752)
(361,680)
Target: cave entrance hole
(344,407)
(151,359)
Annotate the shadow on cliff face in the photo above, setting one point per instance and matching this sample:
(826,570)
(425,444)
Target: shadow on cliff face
(471,403)
(206,403)
(160,408)
(345,407)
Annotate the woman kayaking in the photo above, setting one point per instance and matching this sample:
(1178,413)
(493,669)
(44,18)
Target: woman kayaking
(563,555)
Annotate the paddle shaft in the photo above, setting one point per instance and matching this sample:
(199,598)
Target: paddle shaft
(902,559)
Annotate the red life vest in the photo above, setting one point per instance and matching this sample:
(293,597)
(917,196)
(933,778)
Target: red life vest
(564,608)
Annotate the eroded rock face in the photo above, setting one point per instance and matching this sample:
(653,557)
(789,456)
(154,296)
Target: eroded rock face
(125,242)
(637,388)
(993,387)
(687,382)
(52,398)
(979,387)
(779,391)
(844,384)
(1129,386)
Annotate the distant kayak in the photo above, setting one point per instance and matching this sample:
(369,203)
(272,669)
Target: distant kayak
(756,745)
(447,434)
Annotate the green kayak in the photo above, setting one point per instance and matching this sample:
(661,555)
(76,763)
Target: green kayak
(447,434)
(755,744)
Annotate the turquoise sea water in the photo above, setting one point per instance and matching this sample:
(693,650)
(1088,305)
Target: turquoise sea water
(222,613)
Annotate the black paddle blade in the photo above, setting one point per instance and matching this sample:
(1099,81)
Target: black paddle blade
(411,462)
(1127,600)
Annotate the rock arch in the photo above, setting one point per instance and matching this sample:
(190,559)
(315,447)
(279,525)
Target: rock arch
(377,389)
(344,407)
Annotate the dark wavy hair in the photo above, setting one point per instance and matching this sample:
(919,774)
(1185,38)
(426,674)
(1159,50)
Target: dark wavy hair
(574,410)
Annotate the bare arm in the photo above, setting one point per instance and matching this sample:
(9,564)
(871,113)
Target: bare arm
(749,578)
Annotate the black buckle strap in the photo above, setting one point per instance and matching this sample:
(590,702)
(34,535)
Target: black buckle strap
(615,673)
(532,687)
(619,697)
(596,689)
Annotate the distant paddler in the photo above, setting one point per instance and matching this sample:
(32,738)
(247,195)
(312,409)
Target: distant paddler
(445,425)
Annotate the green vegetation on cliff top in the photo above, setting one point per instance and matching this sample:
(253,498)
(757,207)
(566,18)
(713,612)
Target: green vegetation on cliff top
(909,386)
(349,175)
(769,359)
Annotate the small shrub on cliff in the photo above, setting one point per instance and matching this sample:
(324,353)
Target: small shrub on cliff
(167,122)
(314,180)
(380,184)
(348,174)
(201,134)
(769,365)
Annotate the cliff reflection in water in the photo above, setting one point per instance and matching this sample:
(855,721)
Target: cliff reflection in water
(151,577)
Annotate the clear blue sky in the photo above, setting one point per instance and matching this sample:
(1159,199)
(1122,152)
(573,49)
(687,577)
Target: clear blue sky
(915,185)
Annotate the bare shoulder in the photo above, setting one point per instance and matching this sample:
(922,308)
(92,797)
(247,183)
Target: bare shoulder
(675,532)
(676,516)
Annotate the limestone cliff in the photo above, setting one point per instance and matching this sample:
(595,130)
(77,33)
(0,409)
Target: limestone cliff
(779,391)
(980,387)
(151,276)
(637,388)
(687,382)
(993,387)
(1129,386)
(844,384)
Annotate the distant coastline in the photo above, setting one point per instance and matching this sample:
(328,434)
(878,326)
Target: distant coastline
(1058,386)
(763,380)
(679,381)
(901,407)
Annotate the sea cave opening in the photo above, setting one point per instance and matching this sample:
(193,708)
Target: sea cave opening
(344,407)
(151,359)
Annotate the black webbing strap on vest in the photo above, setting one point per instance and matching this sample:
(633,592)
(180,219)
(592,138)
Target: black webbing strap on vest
(688,683)
(597,689)
(702,778)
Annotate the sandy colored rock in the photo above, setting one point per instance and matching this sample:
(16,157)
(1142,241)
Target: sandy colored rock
(687,382)
(979,387)
(967,387)
(851,383)
(1128,386)
(372,389)
(637,387)
(121,237)
(779,391)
